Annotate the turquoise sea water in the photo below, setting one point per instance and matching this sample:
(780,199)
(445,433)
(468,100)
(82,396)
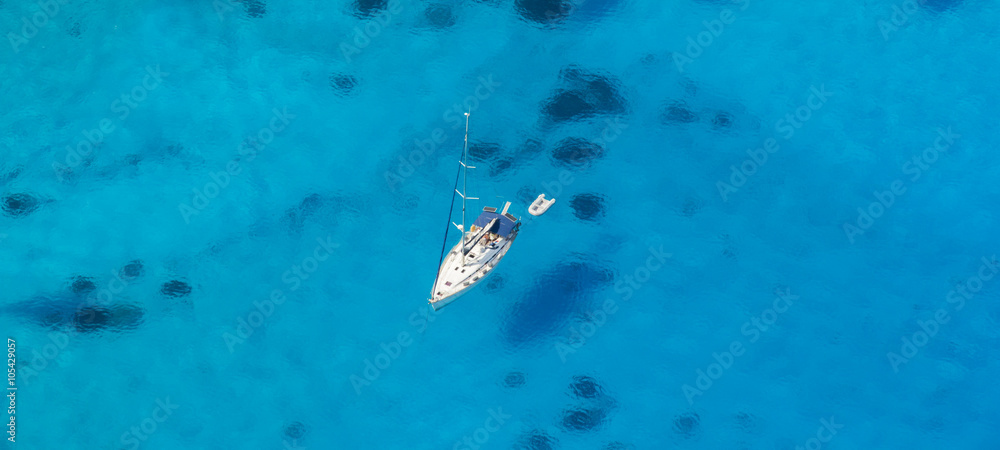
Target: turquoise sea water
(220,223)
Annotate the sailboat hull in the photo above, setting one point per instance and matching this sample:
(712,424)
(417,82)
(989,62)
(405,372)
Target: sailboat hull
(458,275)
(480,248)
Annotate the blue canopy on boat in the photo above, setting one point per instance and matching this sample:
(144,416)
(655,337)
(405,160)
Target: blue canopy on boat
(503,226)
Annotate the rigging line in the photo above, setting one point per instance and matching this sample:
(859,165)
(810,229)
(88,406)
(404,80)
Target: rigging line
(444,245)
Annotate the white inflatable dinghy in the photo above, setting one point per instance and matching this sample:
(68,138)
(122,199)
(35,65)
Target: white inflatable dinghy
(540,205)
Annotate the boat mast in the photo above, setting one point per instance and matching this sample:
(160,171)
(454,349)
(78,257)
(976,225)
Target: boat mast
(465,180)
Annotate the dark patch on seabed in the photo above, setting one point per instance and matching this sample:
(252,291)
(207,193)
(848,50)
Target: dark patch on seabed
(536,440)
(583,419)
(73,29)
(552,12)
(594,409)
(576,153)
(544,11)
(485,151)
(121,317)
(585,387)
(83,285)
(678,112)
(77,313)
(369,8)
(255,8)
(493,154)
(940,5)
(559,293)
(502,167)
(175,288)
(588,206)
(8,175)
(20,204)
(584,94)
(295,430)
(343,84)
(405,203)
(687,425)
(526,194)
(691,206)
(309,206)
(439,16)
(722,120)
(495,283)
(746,421)
(529,150)
(134,269)
(514,380)
(91,318)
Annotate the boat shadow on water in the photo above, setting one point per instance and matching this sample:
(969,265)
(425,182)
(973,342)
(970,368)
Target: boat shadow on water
(554,298)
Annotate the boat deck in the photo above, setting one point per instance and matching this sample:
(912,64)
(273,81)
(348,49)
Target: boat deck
(456,277)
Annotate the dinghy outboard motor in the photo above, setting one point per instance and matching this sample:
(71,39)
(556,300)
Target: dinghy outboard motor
(540,205)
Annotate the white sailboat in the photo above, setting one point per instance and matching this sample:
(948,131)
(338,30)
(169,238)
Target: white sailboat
(480,248)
